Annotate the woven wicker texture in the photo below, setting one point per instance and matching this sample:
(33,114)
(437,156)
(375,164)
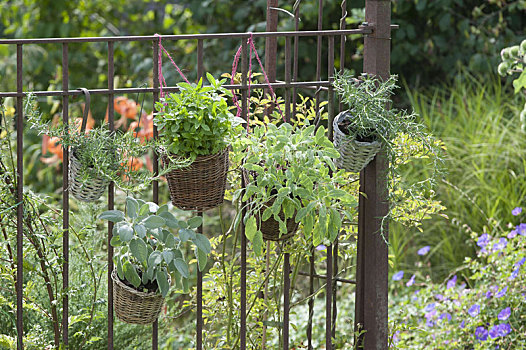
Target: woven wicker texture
(87,191)
(201,185)
(354,155)
(132,306)
(270,227)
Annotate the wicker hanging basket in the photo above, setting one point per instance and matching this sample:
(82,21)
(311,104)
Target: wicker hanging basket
(86,191)
(201,185)
(133,306)
(270,227)
(354,155)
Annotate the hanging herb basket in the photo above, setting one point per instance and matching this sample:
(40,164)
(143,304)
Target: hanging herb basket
(354,154)
(202,184)
(86,191)
(133,306)
(270,227)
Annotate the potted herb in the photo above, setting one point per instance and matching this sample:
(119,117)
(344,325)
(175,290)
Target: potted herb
(97,156)
(148,252)
(289,182)
(196,124)
(367,124)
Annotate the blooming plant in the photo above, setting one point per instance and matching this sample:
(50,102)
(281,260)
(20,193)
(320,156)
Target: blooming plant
(480,306)
(147,249)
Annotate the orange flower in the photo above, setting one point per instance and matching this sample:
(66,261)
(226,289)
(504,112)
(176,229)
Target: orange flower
(51,144)
(146,128)
(134,164)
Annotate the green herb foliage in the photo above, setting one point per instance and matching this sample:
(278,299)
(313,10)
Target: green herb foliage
(293,168)
(147,250)
(196,120)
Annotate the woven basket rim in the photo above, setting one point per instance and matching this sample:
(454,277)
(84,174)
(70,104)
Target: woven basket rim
(337,130)
(206,157)
(143,295)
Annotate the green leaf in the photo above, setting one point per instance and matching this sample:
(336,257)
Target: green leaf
(168,256)
(162,282)
(520,82)
(195,222)
(131,274)
(132,207)
(120,271)
(155,258)
(308,224)
(201,258)
(112,215)
(162,209)
(145,209)
(140,230)
(181,266)
(139,250)
(170,241)
(257,243)
(125,233)
(185,234)
(171,221)
(154,221)
(267,213)
(115,241)
(251,228)
(202,243)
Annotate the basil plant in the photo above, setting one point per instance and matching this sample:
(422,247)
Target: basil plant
(148,243)
(292,168)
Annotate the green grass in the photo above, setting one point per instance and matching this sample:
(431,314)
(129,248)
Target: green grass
(478,121)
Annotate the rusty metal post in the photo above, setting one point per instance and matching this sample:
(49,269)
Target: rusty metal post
(372,267)
(111,191)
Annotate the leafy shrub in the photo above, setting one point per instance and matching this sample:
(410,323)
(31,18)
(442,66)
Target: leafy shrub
(196,120)
(479,306)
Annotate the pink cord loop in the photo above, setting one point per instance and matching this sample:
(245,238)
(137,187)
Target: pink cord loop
(162,82)
(252,49)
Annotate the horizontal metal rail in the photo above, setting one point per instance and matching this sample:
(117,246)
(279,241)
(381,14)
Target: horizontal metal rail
(311,33)
(304,84)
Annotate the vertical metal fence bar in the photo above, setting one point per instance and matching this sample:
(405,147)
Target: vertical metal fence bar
(328,300)
(330,74)
(111,192)
(271,48)
(318,55)
(155,184)
(286,300)
(287,78)
(199,316)
(19,199)
(372,264)
(312,272)
(295,69)
(343,40)
(244,115)
(65,202)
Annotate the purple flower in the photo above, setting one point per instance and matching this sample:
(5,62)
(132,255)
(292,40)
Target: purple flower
(483,240)
(500,330)
(411,281)
(501,244)
(474,310)
(451,283)
(520,262)
(424,250)
(398,276)
(429,307)
(504,314)
(512,234)
(514,274)
(462,324)
(489,294)
(521,229)
(430,314)
(501,292)
(440,297)
(445,315)
(516,211)
(321,247)
(481,333)
(430,323)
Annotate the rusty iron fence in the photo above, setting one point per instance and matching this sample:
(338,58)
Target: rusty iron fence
(372,268)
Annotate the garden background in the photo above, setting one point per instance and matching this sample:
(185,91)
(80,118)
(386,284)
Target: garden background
(446,54)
